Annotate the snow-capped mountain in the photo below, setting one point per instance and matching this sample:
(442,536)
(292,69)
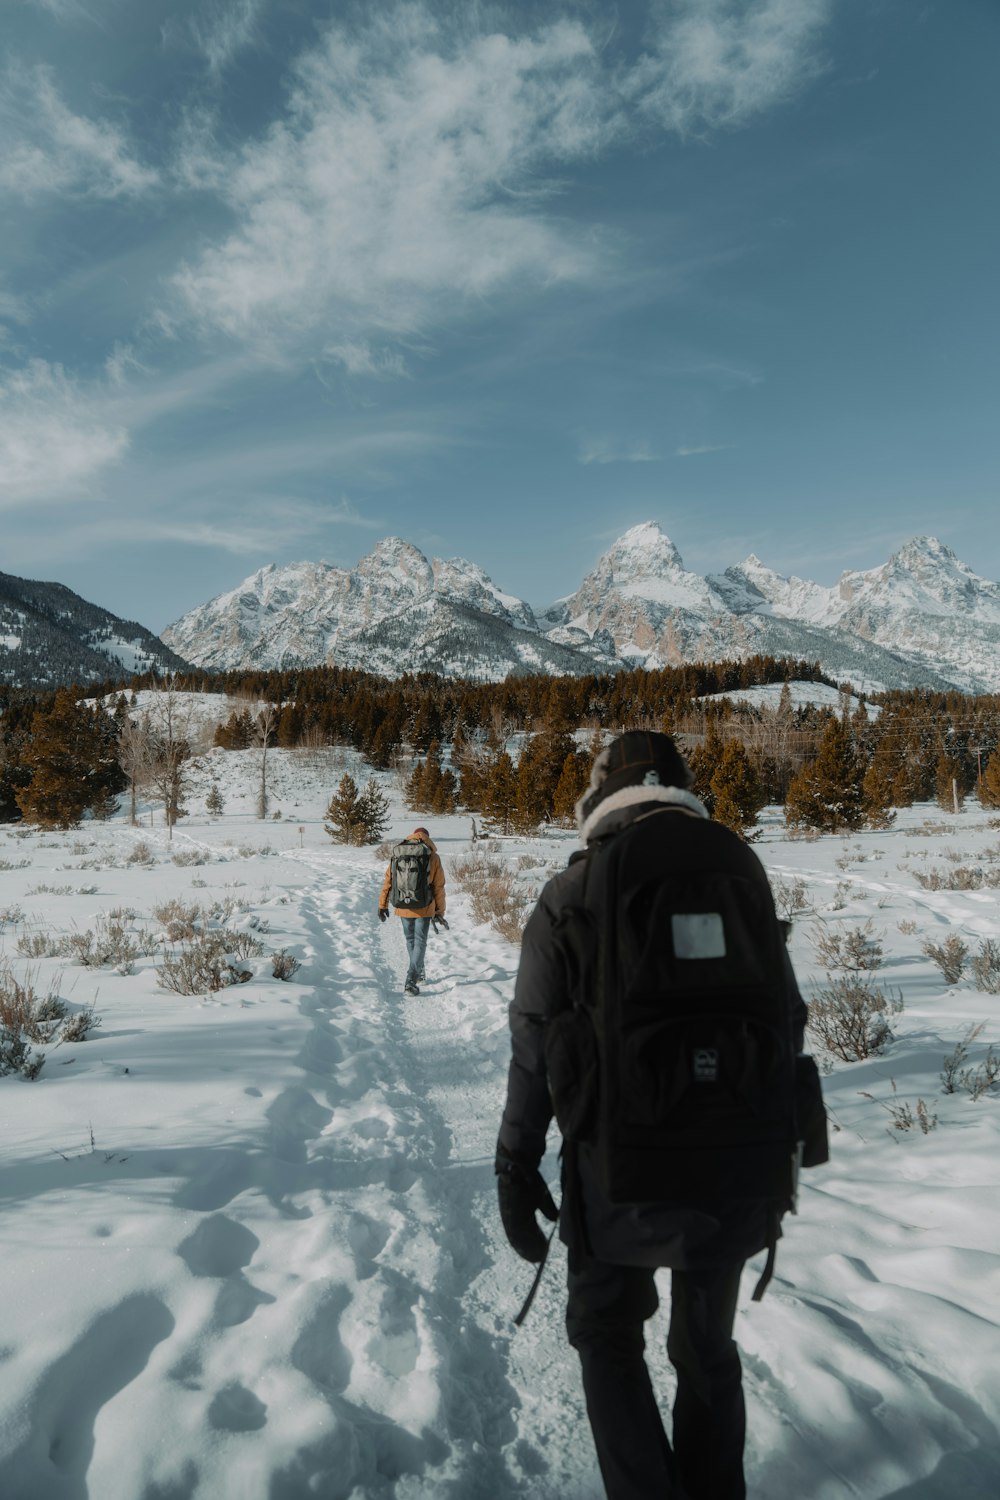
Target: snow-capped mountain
(50,636)
(922,619)
(395,612)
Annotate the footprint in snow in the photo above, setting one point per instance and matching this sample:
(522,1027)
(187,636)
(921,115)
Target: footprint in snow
(235,1409)
(218,1247)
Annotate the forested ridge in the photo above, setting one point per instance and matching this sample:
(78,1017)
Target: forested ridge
(518,753)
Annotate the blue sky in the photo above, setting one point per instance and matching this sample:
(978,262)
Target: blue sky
(279,277)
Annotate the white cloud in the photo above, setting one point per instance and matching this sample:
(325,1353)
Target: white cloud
(48,149)
(53,441)
(359,358)
(704,448)
(404,182)
(414,169)
(604,450)
(223,29)
(716,63)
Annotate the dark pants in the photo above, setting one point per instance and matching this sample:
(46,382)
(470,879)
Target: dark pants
(415,931)
(607,1308)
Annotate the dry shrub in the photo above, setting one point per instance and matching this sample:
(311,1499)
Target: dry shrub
(977,1080)
(494,894)
(182,919)
(903,1117)
(857,950)
(140,854)
(791,897)
(907,927)
(985,967)
(949,956)
(210,961)
(17,1057)
(110,942)
(284,965)
(190,857)
(961,878)
(850,1017)
(43,945)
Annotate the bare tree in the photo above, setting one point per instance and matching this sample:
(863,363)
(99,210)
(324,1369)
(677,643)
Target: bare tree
(134,757)
(169,751)
(263,728)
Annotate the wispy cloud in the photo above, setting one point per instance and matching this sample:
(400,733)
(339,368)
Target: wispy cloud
(224,29)
(703,448)
(404,182)
(718,63)
(49,149)
(412,174)
(54,443)
(604,450)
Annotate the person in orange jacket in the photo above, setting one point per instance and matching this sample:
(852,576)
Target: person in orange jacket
(414,880)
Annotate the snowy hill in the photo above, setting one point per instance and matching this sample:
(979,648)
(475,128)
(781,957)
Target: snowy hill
(50,636)
(923,619)
(250,1239)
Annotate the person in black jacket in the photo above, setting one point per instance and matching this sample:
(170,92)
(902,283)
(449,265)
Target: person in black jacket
(614,1248)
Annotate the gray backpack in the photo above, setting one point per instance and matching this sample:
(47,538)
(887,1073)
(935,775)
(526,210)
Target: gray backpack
(410,862)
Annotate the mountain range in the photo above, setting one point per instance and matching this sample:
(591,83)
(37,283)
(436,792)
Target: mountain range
(922,619)
(50,636)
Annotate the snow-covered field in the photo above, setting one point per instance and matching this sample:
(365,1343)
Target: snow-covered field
(249,1241)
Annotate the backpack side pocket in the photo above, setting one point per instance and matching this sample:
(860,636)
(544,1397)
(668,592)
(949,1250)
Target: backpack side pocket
(572,1066)
(810,1112)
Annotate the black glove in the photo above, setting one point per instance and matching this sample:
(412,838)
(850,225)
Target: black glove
(522,1193)
(383,915)
(439,922)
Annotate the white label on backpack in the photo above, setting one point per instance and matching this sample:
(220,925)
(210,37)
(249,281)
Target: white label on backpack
(705,1064)
(698,934)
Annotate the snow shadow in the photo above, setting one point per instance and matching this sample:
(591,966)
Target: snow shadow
(53,1461)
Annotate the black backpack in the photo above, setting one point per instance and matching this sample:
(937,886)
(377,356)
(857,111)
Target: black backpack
(410,862)
(676,1060)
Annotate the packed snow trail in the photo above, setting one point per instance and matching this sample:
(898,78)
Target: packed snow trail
(280,1271)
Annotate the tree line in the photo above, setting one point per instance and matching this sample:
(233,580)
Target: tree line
(517,753)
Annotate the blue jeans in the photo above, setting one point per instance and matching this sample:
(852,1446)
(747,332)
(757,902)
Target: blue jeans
(415,931)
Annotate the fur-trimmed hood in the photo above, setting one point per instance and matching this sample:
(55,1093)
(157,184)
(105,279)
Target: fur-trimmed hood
(637,796)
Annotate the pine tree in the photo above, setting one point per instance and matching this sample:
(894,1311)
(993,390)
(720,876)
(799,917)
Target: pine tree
(373,813)
(704,761)
(828,792)
(71,755)
(500,792)
(346,825)
(357,817)
(215,803)
(570,787)
(736,790)
(989,785)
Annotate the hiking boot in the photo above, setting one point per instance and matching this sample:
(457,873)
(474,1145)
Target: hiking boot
(409,988)
(420,977)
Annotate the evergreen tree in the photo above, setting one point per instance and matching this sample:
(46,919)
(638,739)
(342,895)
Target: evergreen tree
(500,792)
(737,794)
(346,825)
(71,756)
(357,817)
(373,812)
(215,803)
(704,760)
(828,792)
(570,787)
(989,785)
